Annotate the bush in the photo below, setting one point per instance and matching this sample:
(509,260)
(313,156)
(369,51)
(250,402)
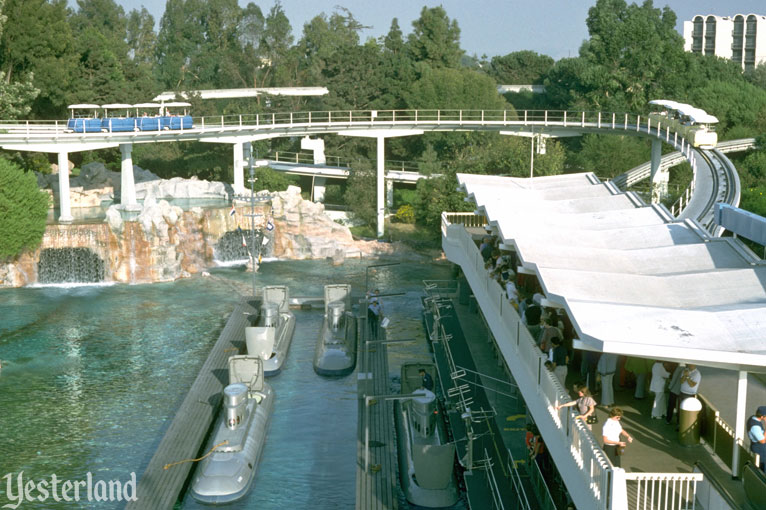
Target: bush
(405,214)
(23,211)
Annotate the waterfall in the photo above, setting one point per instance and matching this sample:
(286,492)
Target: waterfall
(69,265)
(232,248)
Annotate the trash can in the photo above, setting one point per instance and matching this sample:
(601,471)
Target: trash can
(689,422)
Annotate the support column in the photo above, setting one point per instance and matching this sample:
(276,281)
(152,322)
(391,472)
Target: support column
(381,135)
(239,172)
(389,194)
(127,182)
(380,186)
(659,178)
(739,422)
(317,147)
(318,187)
(64,203)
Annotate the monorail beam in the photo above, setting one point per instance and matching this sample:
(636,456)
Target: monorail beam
(127,181)
(659,176)
(380,186)
(239,169)
(65,214)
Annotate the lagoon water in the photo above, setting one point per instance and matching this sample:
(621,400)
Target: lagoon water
(92,377)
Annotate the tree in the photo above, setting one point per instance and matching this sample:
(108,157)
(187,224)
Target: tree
(633,53)
(520,68)
(37,41)
(436,195)
(16,98)
(23,209)
(435,40)
(280,67)
(609,155)
(361,191)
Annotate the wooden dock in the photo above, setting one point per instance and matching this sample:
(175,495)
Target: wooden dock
(376,486)
(160,488)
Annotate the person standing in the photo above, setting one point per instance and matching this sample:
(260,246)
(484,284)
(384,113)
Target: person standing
(756,432)
(606,367)
(559,359)
(426,380)
(374,311)
(690,382)
(586,405)
(657,386)
(674,390)
(611,432)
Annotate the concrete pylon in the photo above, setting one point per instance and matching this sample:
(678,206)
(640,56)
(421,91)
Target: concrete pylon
(239,168)
(65,213)
(319,185)
(127,181)
(659,178)
(317,146)
(381,160)
(381,135)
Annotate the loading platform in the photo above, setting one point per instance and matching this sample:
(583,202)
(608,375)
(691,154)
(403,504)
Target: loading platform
(160,488)
(376,469)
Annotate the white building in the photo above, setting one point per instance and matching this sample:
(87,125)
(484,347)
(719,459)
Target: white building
(741,38)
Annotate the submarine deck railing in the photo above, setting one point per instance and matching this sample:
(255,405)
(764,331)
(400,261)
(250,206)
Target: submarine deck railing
(160,488)
(437,290)
(460,394)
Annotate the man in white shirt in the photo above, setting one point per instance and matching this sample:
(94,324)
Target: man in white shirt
(690,382)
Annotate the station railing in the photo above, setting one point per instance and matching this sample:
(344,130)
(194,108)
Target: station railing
(584,460)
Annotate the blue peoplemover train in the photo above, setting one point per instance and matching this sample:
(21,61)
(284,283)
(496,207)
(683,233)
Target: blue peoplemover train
(116,117)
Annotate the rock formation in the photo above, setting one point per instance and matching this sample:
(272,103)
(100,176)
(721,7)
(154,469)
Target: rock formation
(164,242)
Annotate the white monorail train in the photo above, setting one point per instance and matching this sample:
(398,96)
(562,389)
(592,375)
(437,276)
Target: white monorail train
(694,124)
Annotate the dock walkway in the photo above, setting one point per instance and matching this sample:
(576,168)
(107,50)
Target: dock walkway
(489,478)
(376,469)
(160,488)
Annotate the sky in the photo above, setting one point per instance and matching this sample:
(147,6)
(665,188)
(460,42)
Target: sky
(487,27)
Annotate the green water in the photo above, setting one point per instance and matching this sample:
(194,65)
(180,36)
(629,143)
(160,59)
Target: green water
(92,376)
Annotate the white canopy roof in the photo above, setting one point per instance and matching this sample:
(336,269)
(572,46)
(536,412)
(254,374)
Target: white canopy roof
(632,280)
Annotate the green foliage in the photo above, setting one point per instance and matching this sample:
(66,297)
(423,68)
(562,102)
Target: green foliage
(333,194)
(435,40)
(271,180)
(736,103)
(435,196)
(520,68)
(754,200)
(752,169)
(37,41)
(404,196)
(16,98)
(405,214)
(608,155)
(361,195)
(23,211)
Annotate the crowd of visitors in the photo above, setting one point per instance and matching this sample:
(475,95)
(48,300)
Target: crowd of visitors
(668,383)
